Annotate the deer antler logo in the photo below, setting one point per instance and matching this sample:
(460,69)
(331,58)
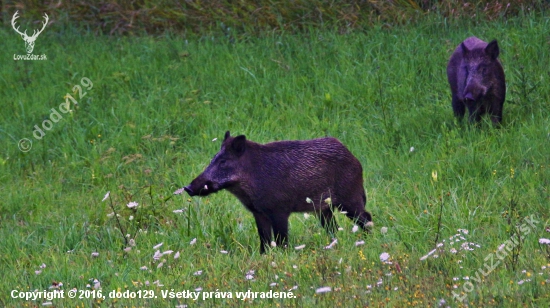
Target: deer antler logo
(29,40)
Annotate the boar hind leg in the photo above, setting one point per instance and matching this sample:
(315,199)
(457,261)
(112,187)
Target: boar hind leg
(496,114)
(280,229)
(263,223)
(328,222)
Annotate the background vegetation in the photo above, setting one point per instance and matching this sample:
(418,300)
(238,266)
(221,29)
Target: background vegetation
(254,17)
(146,126)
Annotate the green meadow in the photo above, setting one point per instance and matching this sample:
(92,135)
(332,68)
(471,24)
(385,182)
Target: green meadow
(458,209)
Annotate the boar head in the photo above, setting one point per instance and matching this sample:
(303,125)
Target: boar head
(224,170)
(478,67)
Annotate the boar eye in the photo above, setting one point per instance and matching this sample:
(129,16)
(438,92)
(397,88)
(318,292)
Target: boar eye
(222,162)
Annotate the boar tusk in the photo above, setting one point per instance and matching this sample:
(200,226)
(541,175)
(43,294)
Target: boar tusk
(205,187)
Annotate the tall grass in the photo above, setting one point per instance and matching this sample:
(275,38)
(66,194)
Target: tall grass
(147,125)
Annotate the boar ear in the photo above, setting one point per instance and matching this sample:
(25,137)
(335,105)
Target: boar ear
(227,135)
(238,145)
(464,48)
(492,49)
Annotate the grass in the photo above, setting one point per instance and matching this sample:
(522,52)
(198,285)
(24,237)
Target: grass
(146,128)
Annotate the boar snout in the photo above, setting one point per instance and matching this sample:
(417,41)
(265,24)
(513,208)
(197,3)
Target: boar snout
(189,191)
(200,189)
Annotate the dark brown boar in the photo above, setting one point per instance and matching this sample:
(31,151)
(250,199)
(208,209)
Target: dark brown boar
(276,179)
(477,80)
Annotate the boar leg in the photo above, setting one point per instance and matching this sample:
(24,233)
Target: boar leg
(458,107)
(328,222)
(280,229)
(475,112)
(263,223)
(496,114)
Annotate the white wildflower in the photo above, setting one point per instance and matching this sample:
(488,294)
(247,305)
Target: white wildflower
(426,256)
(332,244)
(157,255)
(132,204)
(323,290)
(384,257)
(106,196)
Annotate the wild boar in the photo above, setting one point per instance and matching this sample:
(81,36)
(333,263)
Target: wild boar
(276,179)
(477,80)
